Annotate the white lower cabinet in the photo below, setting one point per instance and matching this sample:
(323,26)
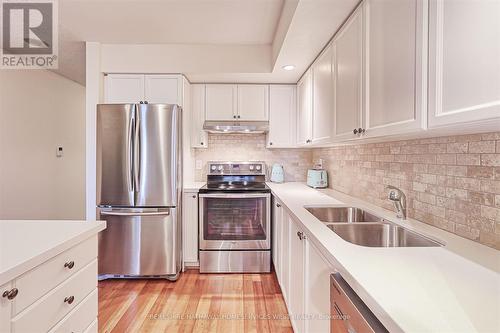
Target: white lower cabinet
(317,292)
(5,308)
(297,271)
(190,228)
(59,295)
(302,272)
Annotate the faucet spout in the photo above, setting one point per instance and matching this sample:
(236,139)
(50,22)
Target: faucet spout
(399,199)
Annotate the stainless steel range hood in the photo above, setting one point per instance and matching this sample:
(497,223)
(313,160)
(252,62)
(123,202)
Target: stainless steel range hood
(236,126)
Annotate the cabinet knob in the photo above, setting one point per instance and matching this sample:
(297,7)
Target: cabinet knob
(355,131)
(10,294)
(239,117)
(69,264)
(201,143)
(141,102)
(194,196)
(145,102)
(361,130)
(278,205)
(270,143)
(69,299)
(300,234)
(234,117)
(308,141)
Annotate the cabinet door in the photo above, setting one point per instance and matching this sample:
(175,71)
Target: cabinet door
(277,240)
(464,63)
(163,89)
(317,298)
(123,88)
(220,101)
(282,116)
(304,113)
(348,78)
(296,292)
(322,101)
(285,257)
(253,102)
(190,228)
(5,309)
(199,137)
(395,66)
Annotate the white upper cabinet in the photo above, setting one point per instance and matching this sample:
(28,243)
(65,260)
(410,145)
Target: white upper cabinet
(165,89)
(464,61)
(348,78)
(135,88)
(253,102)
(199,137)
(304,111)
(322,101)
(220,101)
(124,88)
(237,102)
(282,116)
(395,66)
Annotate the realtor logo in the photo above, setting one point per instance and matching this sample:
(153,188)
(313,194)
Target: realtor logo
(29,34)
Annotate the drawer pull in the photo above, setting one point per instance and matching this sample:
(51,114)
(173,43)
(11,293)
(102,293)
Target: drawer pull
(69,300)
(70,264)
(10,294)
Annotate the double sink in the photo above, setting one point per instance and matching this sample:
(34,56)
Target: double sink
(360,227)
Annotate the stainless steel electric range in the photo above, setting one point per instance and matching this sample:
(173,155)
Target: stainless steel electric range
(235,219)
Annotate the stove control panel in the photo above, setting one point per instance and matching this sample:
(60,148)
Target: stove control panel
(236,168)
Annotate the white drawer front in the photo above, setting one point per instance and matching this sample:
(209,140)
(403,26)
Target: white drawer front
(80,318)
(92,327)
(37,282)
(51,308)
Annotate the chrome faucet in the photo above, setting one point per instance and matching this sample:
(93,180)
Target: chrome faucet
(399,198)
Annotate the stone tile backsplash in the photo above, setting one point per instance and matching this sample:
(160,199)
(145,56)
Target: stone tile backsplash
(252,147)
(451,182)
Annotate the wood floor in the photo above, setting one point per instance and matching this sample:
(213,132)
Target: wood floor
(195,303)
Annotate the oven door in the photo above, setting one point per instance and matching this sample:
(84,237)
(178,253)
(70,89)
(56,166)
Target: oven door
(235,221)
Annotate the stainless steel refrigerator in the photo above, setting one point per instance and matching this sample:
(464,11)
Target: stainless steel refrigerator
(139,182)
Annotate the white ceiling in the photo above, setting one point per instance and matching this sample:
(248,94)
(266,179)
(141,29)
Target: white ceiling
(294,31)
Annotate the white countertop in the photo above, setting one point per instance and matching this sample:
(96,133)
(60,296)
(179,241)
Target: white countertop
(455,288)
(25,244)
(193,186)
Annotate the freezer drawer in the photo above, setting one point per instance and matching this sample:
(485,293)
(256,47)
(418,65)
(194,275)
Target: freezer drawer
(139,242)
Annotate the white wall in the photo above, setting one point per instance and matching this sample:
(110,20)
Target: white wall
(40,110)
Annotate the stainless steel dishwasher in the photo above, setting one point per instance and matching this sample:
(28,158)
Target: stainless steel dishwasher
(348,312)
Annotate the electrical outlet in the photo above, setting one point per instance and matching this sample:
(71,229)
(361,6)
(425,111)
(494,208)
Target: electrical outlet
(60,151)
(199,164)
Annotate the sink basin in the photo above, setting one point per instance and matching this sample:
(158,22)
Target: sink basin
(342,214)
(381,235)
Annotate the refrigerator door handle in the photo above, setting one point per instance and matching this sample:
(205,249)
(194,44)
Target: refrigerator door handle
(137,154)
(130,157)
(164,213)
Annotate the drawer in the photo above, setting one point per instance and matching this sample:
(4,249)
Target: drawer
(40,280)
(92,327)
(80,318)
(51,308)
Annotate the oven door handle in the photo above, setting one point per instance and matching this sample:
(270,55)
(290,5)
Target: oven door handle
(235,195)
